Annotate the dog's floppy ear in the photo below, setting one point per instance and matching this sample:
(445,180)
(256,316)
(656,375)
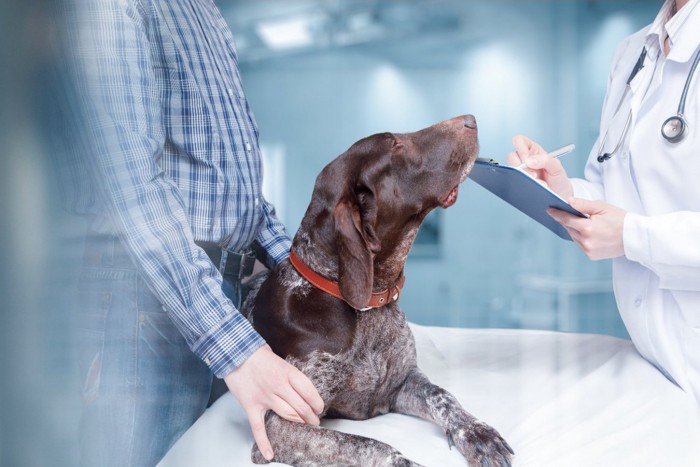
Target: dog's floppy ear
(357,244)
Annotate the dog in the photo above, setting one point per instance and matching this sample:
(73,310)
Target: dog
(331,308)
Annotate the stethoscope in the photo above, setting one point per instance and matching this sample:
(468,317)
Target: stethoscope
(673,129)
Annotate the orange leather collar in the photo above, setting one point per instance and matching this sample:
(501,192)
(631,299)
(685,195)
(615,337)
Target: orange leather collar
(377,299)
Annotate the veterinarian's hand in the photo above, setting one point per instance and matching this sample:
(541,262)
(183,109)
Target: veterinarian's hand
(541,166)
(267,382)
(601,235)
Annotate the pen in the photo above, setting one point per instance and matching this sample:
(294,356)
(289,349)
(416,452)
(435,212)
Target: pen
(556,154)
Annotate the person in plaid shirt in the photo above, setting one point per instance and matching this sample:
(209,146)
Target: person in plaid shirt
(173,173)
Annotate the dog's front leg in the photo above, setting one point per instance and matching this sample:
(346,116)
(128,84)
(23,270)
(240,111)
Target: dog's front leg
(479,443)
(304,445)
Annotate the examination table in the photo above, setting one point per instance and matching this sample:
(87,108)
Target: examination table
(559,399)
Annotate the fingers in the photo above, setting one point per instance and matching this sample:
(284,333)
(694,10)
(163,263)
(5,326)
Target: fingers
(287,404)
(256,418)
(300,399)
(513,159)
(305,388)
(266,381)
(518,156)
(570,221)
(290,405)
(552,166)
(587,206)
(530,153)
(578,227)
(525,147)
(571,224)
(544,162)
(600,236)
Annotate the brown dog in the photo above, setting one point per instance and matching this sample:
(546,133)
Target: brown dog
(349,255)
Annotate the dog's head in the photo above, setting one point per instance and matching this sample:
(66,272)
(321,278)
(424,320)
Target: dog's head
(368,203)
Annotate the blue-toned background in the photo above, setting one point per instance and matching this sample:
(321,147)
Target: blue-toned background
(319,75)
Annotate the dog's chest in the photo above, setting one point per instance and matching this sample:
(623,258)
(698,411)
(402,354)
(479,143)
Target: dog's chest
(364,380)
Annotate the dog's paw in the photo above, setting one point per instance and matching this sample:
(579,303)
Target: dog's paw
(481,444)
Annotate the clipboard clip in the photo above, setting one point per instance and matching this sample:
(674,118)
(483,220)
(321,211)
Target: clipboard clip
(488,160)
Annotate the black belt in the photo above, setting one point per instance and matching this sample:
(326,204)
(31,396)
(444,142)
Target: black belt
(238,265)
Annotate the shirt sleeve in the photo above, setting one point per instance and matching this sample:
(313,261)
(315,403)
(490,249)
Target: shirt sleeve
(273,237)
(124,116)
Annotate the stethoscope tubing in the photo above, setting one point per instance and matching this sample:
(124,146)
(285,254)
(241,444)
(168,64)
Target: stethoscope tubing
(686,87)
(679,117)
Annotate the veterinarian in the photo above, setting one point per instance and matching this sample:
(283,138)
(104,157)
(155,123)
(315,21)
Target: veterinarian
(642,190)
(176,187)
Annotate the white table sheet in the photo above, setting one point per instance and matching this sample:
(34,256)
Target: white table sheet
(559,399)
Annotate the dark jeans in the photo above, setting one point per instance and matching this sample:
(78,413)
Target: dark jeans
(142,386)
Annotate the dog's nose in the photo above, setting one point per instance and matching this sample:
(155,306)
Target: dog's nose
(470,121)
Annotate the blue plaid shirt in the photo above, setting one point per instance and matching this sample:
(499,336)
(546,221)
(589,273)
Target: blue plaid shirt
(176,158)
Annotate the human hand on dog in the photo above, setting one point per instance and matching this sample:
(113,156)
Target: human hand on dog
(267,382)
(540,165)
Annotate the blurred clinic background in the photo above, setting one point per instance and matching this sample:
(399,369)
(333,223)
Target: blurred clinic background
(321,74)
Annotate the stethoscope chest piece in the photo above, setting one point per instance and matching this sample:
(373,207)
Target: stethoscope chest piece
(673,129)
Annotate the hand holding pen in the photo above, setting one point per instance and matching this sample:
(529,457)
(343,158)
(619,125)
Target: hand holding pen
(543,165)
(555,154)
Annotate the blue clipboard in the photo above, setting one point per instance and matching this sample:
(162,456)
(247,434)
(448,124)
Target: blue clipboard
(520,190)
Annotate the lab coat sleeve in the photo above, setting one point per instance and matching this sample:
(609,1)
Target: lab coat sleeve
(586,189)
(668,245)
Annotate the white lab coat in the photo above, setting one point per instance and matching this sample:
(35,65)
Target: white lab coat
(657,282)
